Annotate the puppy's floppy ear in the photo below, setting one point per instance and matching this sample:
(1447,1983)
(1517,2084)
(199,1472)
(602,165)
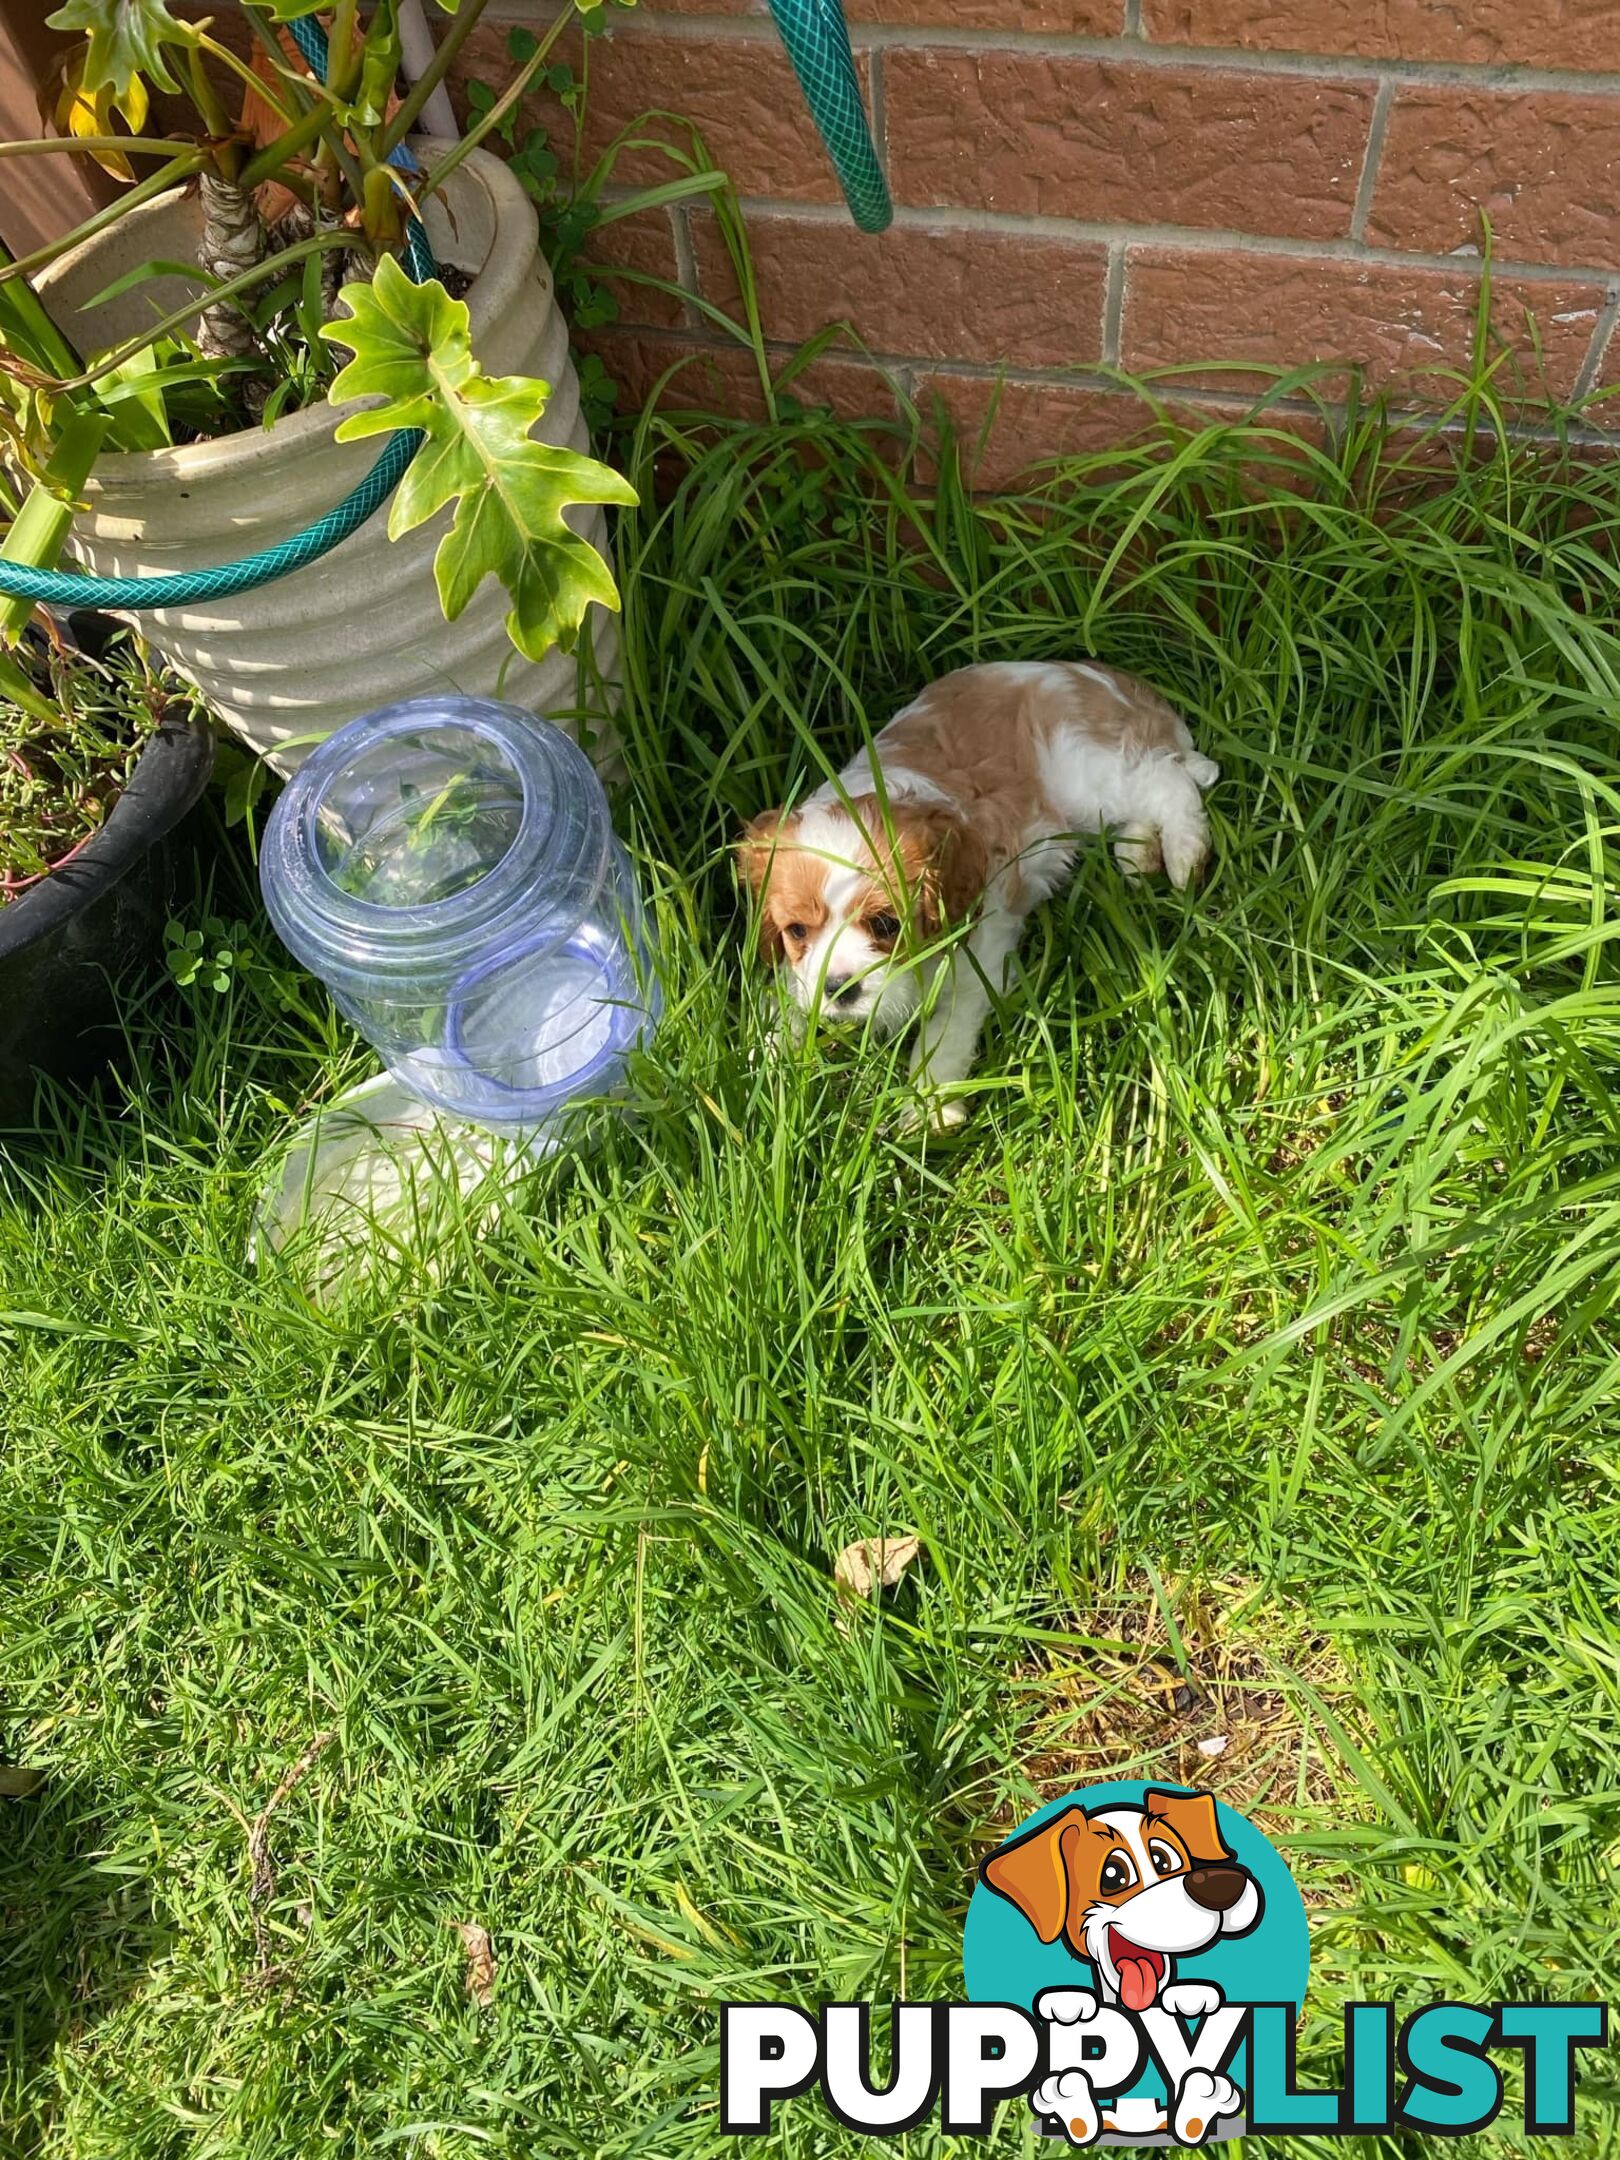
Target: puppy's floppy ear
(756,845)
(1191,1816)
(945,864)
(1033,1872)
(761,837)
(964,871)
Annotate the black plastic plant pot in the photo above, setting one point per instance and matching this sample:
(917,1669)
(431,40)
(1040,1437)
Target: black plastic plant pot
(70,945)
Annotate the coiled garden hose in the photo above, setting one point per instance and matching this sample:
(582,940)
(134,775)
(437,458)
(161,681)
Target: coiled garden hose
(817,41)
(63,588)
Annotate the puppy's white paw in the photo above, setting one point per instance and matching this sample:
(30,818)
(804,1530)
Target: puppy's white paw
(1069,2098)
(1186,855)
(1138,853)
(931,1113)
(1192,1998)
(1202,2099)
(1066,2006)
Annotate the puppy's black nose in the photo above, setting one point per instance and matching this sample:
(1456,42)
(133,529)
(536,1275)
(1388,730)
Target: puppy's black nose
(839,987)
(1217,1889)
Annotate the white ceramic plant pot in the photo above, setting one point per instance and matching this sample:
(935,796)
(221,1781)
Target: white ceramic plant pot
(362,626)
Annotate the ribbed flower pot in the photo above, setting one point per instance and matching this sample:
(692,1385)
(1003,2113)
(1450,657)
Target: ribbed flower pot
(361,627)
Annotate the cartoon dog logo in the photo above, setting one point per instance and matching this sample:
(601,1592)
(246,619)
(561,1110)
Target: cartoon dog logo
(1130,1888)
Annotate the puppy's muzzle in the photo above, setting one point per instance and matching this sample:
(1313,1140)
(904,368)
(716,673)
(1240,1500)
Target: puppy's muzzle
(1217,1889)
(839,989)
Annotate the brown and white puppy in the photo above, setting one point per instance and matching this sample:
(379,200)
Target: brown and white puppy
(967,808)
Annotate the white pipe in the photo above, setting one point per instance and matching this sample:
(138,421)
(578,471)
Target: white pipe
(416,52)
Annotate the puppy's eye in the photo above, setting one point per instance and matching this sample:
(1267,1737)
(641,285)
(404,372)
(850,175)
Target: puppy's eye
(1117,1874)
(1165,1860)
(883,926)
(797,932)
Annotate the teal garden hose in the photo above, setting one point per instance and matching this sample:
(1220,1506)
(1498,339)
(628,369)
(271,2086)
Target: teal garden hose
(62,588)
(817,41)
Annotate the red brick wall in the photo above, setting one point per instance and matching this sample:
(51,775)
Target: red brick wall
(1084,183)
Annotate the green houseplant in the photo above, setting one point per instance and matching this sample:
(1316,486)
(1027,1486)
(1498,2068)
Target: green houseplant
(202,369)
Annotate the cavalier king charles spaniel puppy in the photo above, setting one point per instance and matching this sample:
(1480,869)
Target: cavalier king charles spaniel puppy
(966,811)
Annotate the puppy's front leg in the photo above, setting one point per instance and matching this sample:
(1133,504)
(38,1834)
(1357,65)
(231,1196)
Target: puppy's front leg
(948,1038)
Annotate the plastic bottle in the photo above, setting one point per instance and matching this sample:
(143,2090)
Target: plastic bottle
(447,866)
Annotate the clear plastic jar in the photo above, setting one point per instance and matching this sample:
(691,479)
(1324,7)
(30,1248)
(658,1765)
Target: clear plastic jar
(447,866)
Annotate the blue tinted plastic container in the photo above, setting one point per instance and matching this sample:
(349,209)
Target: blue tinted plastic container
(447,866)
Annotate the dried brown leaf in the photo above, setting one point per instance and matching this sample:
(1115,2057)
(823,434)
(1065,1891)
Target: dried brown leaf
(871,1564)
(475,1940)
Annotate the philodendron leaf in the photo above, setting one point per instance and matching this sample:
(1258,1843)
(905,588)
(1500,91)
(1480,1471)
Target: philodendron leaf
(81,114)
(127,38)
(413,350)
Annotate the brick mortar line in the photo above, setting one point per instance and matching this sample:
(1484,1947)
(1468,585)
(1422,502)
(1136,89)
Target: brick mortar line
(1236,59)
(1113,304)
(1126,51)
(1190,239)
(1376,130)
(686,273)
(912,367)
(1602,336)
(1092,375)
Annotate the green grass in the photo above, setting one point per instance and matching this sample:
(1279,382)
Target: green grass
(1270,1280)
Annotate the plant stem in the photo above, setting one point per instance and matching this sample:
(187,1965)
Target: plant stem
(305,105)
(491,120)
(40,529)
(381,215)
(269,91)
(433,74)
(232,241)
(343,56)
(141,145)
(225,150)
(309,128)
